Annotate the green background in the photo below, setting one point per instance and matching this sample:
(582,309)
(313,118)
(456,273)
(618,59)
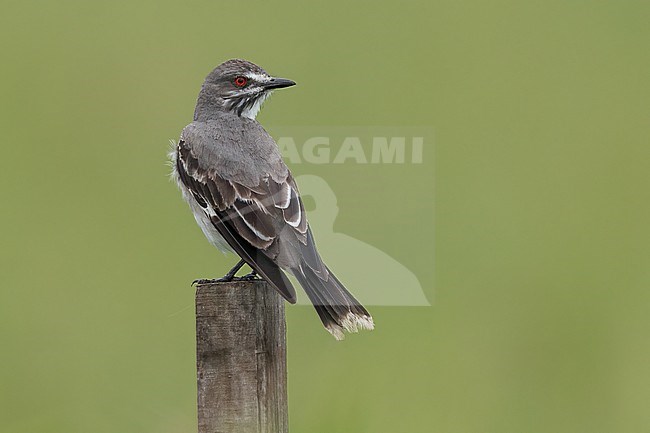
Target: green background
(536,191)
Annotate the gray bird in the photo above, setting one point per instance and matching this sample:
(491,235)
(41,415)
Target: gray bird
(245,199)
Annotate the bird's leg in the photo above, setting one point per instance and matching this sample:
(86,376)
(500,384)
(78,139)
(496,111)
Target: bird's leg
(231,273)
(226,278)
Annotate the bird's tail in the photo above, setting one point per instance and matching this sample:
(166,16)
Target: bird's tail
(337,308)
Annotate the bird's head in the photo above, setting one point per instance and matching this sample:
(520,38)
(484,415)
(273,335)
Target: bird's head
(237,86)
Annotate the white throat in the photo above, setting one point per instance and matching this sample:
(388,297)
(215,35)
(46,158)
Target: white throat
(251,112)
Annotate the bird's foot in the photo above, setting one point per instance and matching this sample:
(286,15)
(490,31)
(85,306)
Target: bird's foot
(226,279)
(203,281)
(230,276)
(248,277)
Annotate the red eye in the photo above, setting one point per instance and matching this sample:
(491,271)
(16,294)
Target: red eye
(240,81)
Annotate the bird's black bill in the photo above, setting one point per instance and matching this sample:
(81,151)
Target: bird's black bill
(279,83)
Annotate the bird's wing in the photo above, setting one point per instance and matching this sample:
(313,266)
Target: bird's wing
(259,221)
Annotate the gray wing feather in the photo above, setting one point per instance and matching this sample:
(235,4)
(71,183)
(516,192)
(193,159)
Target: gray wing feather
(238,173)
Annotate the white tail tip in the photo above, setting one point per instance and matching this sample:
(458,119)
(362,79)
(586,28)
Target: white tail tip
(351,323)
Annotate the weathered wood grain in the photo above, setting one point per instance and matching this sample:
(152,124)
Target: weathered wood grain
(241,358)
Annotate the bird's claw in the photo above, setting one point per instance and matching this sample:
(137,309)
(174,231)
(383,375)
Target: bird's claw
(248,277)
(203,281)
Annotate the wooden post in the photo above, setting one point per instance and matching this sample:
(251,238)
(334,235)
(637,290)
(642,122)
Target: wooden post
(241,358)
